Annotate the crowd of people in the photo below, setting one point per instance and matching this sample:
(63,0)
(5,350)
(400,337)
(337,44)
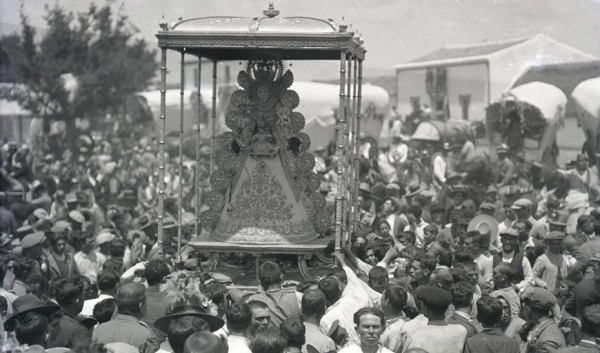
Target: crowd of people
(432,266)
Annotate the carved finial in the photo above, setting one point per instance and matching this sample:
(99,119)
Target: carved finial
(335,27)
(343,25)
(271,12)
(163,24)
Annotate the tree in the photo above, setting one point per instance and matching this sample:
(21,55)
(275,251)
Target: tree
(85,65)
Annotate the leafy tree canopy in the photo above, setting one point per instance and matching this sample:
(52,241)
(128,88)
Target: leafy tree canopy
(86,64)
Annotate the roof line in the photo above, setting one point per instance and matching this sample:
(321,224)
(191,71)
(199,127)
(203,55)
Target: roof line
(485,43)
(444,62)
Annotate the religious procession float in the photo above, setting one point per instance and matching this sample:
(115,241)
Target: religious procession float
(264,196)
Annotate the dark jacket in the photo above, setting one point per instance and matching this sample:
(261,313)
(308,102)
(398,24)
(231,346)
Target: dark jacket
(54,269)
(473,327)
(126,329)
(69,333)
(491,340)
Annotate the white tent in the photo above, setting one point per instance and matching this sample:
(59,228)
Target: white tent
(319,100)
(549,99)
(586,96)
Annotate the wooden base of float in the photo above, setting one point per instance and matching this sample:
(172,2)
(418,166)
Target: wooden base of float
(303,252)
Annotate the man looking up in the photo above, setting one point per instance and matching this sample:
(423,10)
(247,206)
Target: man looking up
(421,269)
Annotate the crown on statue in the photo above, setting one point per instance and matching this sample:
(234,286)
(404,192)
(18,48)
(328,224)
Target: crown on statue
(265,70)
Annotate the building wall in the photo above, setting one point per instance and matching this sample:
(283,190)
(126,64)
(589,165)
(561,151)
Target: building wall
(471,79)
(468,80)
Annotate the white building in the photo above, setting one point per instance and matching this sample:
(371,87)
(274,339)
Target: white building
(465,79)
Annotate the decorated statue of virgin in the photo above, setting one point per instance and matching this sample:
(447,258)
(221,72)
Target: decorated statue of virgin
(264,190)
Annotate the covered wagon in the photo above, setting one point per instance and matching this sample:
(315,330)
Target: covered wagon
(527,119)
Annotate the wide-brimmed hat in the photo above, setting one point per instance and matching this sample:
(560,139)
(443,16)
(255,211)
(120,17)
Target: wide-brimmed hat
(486,225)
(559,218)
(413,189)
(176,311)
(25,304)
(365,187)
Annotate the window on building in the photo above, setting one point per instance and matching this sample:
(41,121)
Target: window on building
(439,105)
(415,102)
(465,101)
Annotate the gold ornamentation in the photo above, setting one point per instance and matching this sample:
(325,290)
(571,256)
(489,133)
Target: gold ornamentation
(261,199)
(264,125)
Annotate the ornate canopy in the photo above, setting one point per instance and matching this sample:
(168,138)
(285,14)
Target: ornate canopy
(267,37)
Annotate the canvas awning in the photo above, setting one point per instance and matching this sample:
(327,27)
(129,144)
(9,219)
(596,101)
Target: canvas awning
(550,100)
(587,96)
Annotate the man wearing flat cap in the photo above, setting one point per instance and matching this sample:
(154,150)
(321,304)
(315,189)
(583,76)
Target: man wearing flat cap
(545,336)
(510,254)
(33,248)
(523,209)
(437,333)
(551,268)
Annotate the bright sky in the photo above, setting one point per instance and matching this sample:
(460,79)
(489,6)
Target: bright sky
(394,31)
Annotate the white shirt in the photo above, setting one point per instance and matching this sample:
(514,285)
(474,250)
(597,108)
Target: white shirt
(527,271)
(419,233)
(353,298)
(238,344)
(439,168)
(88,305)
(89,264)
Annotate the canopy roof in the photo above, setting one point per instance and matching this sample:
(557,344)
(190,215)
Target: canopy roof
(267,37)
(453,130)
(550,100)
(587,96)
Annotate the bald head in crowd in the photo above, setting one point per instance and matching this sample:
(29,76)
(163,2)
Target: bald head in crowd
(205,342)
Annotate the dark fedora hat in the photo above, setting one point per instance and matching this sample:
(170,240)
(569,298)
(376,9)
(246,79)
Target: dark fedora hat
(25,304)
(177,310)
